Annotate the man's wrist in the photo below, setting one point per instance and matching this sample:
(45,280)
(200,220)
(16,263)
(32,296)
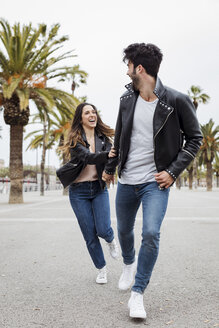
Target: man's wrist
(171,174)
(109,172)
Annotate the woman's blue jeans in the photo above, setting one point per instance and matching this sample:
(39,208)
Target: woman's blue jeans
(91,207)
(154,204)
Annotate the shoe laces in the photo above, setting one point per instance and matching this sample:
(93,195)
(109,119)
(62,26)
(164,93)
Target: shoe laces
(127,269)
(138,302)
(113,247)
(102,273)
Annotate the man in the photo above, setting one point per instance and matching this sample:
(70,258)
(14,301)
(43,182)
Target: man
(157,136)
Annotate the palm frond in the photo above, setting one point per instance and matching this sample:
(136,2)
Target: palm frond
(45,97)
(4,63)
(23,96)
(8,89)
(30,134)
(36,142)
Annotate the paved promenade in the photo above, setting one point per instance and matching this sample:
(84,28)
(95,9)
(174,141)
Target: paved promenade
(48,280)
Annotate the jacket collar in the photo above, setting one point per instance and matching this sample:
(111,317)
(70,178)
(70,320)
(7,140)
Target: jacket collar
(159,89)
(85,139)
(129,87)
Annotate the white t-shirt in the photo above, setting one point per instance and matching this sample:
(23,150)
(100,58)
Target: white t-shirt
(140,166)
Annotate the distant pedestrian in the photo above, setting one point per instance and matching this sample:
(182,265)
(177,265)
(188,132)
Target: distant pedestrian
(157,136)
(89,146)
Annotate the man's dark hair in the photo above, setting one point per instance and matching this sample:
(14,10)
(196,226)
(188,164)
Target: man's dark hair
(148,55)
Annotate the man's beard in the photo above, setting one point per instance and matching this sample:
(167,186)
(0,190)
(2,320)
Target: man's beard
(135,81)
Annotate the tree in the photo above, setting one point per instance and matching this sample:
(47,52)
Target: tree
(216,170)
(56,126)
(209,149)
(0,126)
(77,77)
(27,63)
(55,129)
(198,97)
(41,141)
(190,169)
(61,129)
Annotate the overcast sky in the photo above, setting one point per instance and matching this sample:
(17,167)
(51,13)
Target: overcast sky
(186,31)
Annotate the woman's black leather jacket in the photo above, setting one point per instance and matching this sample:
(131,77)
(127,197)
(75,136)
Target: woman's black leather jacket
(81,155)
(176,132)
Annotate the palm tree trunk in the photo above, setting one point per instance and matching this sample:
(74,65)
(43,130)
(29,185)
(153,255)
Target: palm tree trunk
(178,182)
(209,176)
(190,177)
(217,179)
(65,190)
(42,166)
(16,164)
(195,172)
(64,160)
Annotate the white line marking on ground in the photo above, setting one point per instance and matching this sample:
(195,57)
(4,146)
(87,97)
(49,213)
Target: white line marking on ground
(23,206)
(204,219)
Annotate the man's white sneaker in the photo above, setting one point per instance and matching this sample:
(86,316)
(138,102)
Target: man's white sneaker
(102,276)
(113,249)
(136,306)
(127,275)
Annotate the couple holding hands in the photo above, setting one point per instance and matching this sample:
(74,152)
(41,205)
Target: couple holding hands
(157,135)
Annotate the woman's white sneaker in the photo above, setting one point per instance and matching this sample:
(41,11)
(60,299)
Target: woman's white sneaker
(113,249)
(102,276)
(136,306)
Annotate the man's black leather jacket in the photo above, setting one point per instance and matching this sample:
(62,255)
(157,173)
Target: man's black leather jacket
(80,155)
(177,136)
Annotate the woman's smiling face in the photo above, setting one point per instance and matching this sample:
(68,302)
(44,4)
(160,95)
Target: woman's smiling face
(89,117)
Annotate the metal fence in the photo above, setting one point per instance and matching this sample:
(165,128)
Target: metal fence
(29,185)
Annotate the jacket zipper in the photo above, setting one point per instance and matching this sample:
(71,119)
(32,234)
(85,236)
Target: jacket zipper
(163,124)
(188,153)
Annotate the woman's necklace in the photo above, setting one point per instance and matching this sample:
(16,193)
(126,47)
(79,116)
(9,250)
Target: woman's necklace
(92,144)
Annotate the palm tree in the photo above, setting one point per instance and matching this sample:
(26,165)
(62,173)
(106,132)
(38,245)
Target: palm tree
(0,126)
(77,76)
(190,169)
(209,149)
(216,170)
(59,133)
(55,129)
(198,97)
(27,63)
(58,125)
(42,140)
(201,174)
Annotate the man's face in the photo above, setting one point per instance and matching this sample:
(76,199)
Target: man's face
(133,76)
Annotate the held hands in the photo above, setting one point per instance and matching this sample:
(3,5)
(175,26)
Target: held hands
(108,178)
(164,179)
(112,153)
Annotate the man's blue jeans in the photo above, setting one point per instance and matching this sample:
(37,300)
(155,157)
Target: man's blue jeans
(154,204)
(91,207)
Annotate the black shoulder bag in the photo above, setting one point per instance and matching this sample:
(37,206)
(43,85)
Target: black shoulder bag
(69,172)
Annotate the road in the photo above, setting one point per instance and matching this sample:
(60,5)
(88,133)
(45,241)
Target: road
(48,280)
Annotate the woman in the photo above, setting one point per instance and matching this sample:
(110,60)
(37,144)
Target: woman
(89,143)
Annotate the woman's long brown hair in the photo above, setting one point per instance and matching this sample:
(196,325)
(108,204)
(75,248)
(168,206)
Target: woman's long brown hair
(76,130)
